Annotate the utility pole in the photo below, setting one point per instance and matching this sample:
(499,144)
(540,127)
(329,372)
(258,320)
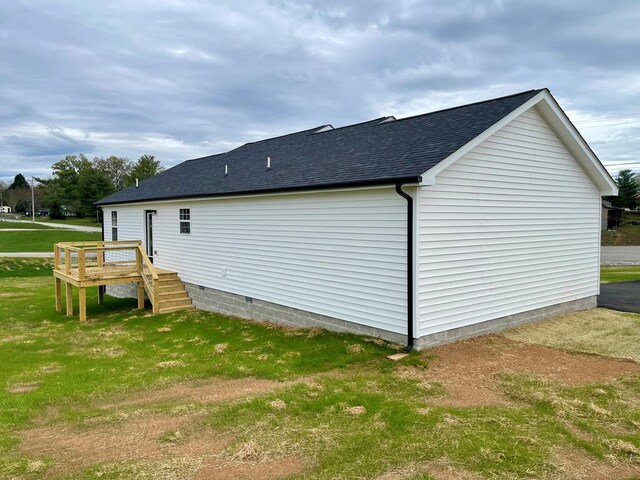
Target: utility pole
(33,203)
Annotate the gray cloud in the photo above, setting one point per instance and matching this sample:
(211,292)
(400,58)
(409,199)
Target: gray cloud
(181,79)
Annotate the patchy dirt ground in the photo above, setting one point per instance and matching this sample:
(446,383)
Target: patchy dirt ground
(205,391)
(132,439)
(572,465)
(22,387)
(141,437)
(468,368)
(270,469)
(575,465)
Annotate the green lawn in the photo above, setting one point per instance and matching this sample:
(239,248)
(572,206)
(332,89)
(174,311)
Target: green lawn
(85,222)
(25,267)
(200,395)
(617,273)
(41,241)
(22,224)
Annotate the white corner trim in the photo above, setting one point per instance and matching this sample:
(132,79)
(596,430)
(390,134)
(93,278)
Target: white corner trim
(563,127)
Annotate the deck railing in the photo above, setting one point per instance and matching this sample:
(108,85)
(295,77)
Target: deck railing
(149,277)
(96,261)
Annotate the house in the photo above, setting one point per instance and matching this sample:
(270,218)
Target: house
(429,228)
(611,216)
(5,209)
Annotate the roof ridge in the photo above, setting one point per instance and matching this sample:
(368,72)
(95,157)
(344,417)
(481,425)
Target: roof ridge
(355,124)
(257,141)
(286,135)
(203,158)
(538,90)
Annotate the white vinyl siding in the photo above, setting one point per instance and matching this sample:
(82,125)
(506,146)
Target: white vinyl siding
(511,226)
(130,223)
(340,254)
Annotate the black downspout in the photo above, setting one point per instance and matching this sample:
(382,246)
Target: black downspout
(100,212)
(409,199)
(101,217)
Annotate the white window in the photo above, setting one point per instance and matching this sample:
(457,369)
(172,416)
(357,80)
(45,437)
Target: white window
(185,220)
(114,225)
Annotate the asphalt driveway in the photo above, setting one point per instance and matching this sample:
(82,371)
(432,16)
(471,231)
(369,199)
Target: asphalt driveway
(623,296)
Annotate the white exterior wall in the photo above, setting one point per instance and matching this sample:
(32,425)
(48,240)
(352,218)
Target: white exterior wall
(510,227)
(130,223)
(340,254)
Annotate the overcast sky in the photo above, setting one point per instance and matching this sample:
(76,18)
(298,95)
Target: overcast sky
(180,79)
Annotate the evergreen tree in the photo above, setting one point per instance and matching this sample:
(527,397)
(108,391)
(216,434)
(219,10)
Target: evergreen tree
(19,182)
(92,186)
(55,210)
(146,166)
(627,190)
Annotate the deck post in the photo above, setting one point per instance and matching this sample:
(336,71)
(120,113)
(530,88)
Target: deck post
(56,257)
(58,293)
(67,261)
(155,301)
(100,255)
(69,299)
(140,295)
(82,264)
(139,262)
(101,294)
(82,300)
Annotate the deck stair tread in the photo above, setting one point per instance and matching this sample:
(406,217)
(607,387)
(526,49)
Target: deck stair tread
(172,295)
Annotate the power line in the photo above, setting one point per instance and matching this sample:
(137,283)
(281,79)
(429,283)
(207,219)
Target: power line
(604,142)
(598,119)
(610,124)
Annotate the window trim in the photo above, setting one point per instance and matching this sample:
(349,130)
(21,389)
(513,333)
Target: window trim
(114,225)
(184,221)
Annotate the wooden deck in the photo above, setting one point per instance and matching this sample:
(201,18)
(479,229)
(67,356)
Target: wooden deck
(90,264)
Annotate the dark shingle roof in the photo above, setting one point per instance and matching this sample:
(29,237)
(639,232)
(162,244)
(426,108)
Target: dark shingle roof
(365,153)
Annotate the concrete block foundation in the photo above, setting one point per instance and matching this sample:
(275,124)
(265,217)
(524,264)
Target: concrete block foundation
(218,301)
(504,323)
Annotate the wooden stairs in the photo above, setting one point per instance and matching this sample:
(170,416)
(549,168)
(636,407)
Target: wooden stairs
(172,296)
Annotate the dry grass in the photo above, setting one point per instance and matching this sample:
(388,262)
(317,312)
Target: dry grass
(598,331)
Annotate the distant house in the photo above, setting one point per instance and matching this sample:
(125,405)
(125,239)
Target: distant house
(611,216)
(429,228)
(5,209)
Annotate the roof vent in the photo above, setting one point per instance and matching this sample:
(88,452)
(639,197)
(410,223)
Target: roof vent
(226,170)
(324,128)
(268,163)
(136,183)
(387,120)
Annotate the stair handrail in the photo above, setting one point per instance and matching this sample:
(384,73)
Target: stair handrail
(152,289)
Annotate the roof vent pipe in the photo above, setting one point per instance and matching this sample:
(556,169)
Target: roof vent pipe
(136,183)
(226,169)
(268,163)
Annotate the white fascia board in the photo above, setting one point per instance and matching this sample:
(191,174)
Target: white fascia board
(563,127)
(560,123)
(390,186)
